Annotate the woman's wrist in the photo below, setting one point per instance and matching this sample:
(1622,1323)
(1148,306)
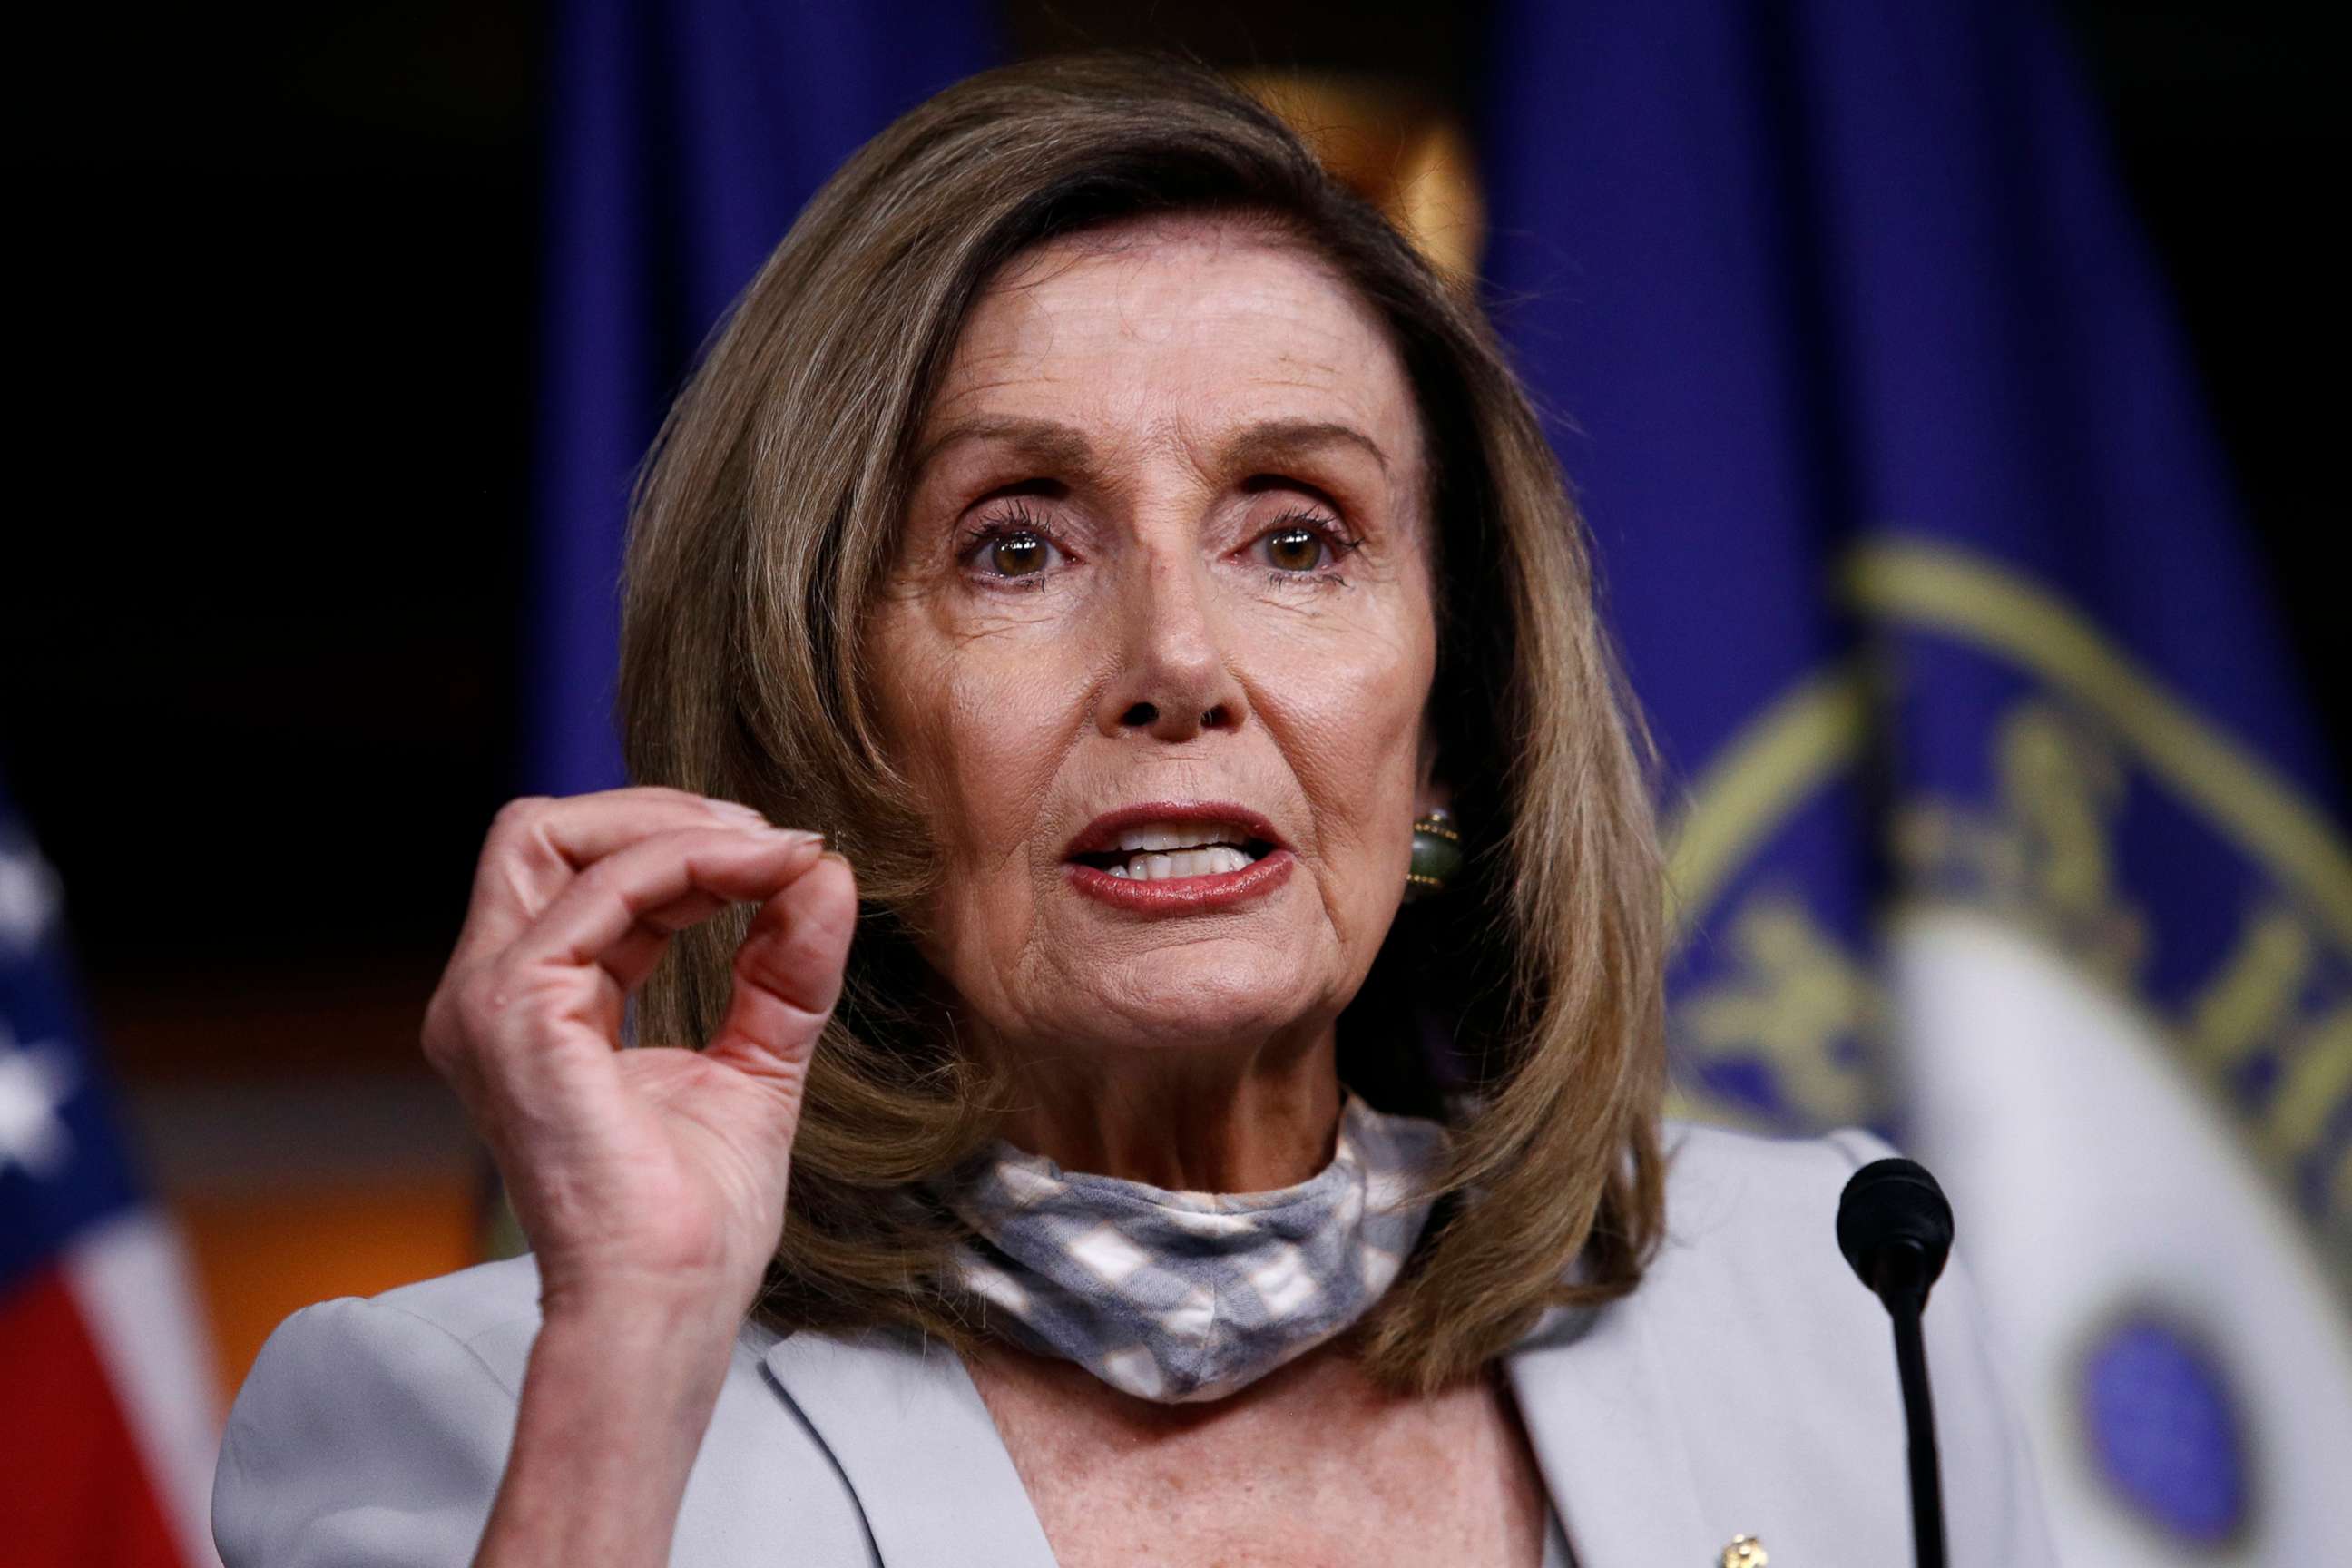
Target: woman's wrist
(643,1311)
(618,1392)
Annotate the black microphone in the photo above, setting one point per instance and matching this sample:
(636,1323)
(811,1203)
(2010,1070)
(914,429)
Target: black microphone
(1896,1227)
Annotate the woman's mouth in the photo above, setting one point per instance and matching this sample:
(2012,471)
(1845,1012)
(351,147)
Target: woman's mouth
(1168,859)
(1164,852)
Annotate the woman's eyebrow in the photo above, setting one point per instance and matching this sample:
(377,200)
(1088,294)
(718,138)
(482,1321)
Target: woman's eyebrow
(1272,442)
(1046,442)
(1268,444)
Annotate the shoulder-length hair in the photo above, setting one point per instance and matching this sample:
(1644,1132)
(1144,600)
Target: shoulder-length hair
(1523,1005)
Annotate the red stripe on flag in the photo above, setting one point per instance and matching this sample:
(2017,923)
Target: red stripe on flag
(74,1491)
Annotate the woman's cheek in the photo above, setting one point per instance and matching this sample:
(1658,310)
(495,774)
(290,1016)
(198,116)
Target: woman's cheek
(1360,683)
(1007,723)
(1351,715)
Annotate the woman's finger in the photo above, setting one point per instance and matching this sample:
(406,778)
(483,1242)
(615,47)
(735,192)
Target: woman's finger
(528,1013)
(788,977)
(616,896)
(535,846)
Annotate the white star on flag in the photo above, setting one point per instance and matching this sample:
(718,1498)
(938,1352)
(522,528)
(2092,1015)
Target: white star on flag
(35,1081)
(29,896)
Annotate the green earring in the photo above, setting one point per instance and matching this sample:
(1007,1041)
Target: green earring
(1436,855)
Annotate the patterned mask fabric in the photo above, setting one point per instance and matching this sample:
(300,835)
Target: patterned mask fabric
(1181,1297)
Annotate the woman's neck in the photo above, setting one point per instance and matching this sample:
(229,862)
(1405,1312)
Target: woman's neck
(1232,1122)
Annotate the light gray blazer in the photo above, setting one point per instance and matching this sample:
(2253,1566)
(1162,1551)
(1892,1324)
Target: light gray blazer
(1748,1386)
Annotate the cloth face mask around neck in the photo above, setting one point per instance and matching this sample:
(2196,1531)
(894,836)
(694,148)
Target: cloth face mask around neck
(1181,1297)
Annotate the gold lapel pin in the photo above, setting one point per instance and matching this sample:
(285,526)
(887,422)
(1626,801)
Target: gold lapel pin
(1745,1551)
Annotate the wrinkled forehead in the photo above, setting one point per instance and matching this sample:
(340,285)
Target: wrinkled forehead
(1181,328)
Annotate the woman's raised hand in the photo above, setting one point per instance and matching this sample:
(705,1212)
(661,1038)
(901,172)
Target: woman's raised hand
(654,1176)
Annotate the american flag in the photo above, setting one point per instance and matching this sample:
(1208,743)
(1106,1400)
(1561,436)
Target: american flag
(106,1450)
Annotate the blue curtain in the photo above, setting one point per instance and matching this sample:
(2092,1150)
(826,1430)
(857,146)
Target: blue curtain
(684,138)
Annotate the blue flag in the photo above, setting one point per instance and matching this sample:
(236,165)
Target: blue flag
(1997,819)
(685,138)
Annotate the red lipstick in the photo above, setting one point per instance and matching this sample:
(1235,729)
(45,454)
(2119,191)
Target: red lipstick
(1086,859)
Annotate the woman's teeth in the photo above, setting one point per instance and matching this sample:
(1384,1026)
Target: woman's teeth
(1163,836)
(1215,860)
(1159,851)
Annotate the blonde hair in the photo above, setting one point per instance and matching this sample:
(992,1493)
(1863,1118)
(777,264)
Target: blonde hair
(766,518)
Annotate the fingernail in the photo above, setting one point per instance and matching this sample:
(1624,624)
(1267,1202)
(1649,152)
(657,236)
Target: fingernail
(794,834)
(738,810)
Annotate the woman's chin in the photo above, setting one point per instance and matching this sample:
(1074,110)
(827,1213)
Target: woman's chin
(1204,995)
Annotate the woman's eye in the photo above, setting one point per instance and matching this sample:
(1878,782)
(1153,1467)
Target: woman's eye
(1296,550)
(1019,553)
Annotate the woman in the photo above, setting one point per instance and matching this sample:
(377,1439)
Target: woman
(1123,549)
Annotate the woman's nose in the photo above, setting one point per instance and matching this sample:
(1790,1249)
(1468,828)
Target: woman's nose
(1175,678)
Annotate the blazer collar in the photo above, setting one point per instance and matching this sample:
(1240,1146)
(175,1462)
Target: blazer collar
(918,1448)
(1593,1393)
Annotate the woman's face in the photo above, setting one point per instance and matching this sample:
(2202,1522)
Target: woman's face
(1158,645)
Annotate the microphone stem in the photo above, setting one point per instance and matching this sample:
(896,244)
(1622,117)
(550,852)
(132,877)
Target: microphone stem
(1919,1419)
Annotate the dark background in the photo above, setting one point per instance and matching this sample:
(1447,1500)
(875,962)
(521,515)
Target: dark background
(264,578)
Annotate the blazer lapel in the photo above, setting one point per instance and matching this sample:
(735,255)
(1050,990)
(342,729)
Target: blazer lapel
(917,1446)
(1592,1395)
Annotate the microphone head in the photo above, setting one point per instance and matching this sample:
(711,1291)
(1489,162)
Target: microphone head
(1894,1209)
